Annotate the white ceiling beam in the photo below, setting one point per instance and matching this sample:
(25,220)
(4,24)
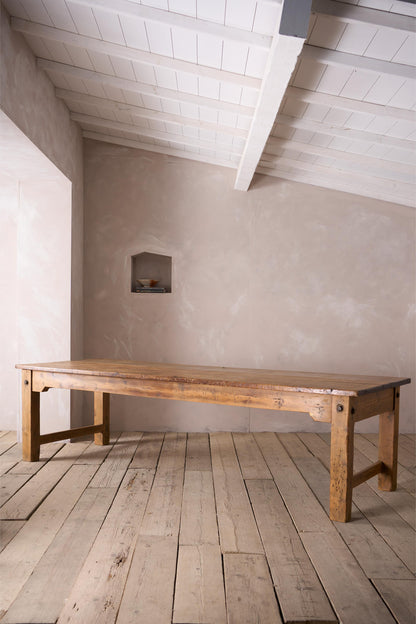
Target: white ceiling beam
(375,66)
(346,133)
(140,87)
(131,54)
(99,122)
(166,151)
(390,186)
(343,103)
(364,160)
(132,9)
(286,47)
(340,166)
(337,182)
(353,14)
(145,113)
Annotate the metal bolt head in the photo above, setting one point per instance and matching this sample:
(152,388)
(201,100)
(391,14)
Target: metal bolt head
(340,408)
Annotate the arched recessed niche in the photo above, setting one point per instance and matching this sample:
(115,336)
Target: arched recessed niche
(151,267)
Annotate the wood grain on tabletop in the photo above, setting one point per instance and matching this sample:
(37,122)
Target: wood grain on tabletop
(328,383)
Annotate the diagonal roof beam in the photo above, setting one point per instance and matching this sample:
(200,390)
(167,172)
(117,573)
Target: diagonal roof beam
(353,14)
(141,87)
(344,132)
(181,139)
(355,61)
(141,11)
(150,147)
(355,106)
(384,173)
(392,186)
(370,162)
(131,54)
(286,47)
(146,114)
(359,185)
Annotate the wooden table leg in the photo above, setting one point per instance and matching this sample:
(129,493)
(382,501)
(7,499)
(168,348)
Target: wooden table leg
(342,457)
(30,419)
(388,445)
(102,417)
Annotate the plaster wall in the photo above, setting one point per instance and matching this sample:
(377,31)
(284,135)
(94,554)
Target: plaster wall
(35,273)
(27,98)
(286,276)
(44,287)
(9,210)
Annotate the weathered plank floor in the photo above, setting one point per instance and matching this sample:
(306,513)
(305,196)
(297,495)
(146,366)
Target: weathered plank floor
(201,529)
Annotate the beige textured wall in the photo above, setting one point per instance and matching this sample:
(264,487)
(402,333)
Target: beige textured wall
(44,286)
(9,206)
(35,273)
(285,276)
(27,98)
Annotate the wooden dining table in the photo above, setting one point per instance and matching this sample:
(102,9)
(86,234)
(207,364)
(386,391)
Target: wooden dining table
(341,400)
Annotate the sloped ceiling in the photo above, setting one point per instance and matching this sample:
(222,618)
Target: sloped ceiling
(317,91)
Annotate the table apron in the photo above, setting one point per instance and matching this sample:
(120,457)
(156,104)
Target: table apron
(373,404)
(317,405)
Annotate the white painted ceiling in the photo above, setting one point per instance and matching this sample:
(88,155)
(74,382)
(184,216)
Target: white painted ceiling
(231,82)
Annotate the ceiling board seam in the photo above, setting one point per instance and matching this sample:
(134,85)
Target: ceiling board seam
(395,93)
(399,48)
(371,86)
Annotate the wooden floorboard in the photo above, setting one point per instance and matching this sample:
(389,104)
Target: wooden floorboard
(299,591)
(148,451)
(198,517)
(249,590)
(400,596)
(237,526)
(201,528)
(8,440)
(10,457)
(8,529)
(149,590)
(199,589)
(24,551)
(97,592)
(29,497)
(198,455)
(45,591)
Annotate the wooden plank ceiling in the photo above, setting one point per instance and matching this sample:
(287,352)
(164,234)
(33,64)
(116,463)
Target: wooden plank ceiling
(317,91)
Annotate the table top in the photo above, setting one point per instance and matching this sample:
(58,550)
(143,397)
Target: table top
(289,381)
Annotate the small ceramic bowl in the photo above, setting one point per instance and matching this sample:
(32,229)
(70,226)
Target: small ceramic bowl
(147,283)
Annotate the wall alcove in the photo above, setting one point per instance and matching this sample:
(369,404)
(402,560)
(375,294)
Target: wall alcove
(151,273)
